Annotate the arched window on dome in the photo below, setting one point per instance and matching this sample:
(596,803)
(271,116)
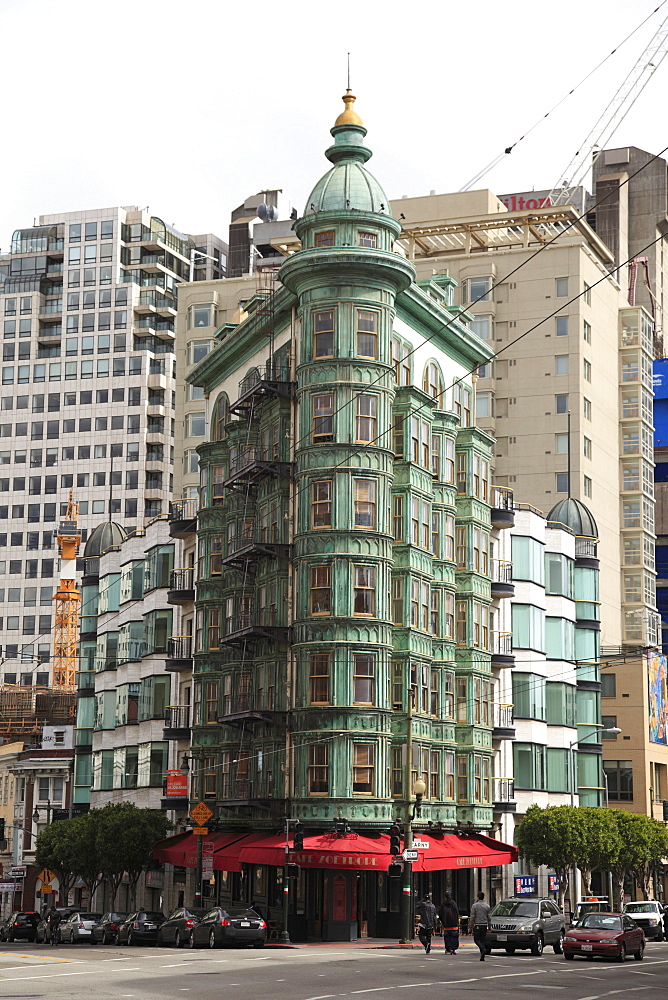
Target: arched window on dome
(432,382)
(220,417)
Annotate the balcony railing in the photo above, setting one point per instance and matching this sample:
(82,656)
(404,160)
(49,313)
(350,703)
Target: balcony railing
(585,547)
(252,463)
(183,510)
(182,579)
(501,498)
(501,643)
(504,790)
(180,647)
(503,717)
(502,571)
(177,717)
(263,623)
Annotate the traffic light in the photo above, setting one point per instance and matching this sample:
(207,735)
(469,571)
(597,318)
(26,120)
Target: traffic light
(395,870)
(395,839)
(299,838)
(292,871)
(665,812)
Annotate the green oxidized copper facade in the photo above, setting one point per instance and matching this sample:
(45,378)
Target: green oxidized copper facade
(343,579)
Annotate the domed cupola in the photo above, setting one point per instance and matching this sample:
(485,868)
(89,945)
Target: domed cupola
(576,516)
(348,186)
(103,537)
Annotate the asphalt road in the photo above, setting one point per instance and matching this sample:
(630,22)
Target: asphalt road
(79,972)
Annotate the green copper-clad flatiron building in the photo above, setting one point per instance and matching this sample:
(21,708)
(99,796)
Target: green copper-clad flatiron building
(343,645)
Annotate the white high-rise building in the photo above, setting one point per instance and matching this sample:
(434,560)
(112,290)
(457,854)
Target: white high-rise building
(88,307)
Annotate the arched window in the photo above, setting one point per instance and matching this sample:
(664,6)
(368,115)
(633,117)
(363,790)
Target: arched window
(220,417)
(432,382)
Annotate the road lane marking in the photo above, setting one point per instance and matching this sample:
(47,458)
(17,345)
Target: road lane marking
(55,975)
(44,958)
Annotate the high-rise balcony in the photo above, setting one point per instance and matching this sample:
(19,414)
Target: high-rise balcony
(244,792)
(503,722)
(179,653)
(181,586)
(501,647)
(183,516)
(504,795)
(177,722)
(274,380)
(501,572)
(502,504)
(253,543)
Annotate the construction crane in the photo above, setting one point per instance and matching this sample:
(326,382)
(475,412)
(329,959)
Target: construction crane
(67,600)
(615,113)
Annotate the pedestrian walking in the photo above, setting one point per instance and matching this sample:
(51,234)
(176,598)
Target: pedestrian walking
(480,921)
(449,917)
(426,911)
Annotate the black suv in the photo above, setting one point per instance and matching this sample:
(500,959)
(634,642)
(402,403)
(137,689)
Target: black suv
(526,923)
(20,925)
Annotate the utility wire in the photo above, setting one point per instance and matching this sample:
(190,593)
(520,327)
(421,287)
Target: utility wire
(483,297)
(497,159)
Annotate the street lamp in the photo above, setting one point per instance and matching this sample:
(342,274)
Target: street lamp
(419,788)
(36,816)
(615,730)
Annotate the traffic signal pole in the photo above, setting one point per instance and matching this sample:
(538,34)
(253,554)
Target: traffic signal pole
(406,904)
(285,934)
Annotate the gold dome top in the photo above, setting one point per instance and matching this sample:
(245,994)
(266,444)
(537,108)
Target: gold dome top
(348,117)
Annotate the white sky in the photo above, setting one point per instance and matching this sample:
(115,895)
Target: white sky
(190,107)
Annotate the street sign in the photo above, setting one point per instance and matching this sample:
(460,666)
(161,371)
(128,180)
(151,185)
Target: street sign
(208,847)
(46,889)
(410,855)
(19,872)
(201,813)
(200,831)
(46,876)
(526,885)
(177,784)
(552,883)
(8,887)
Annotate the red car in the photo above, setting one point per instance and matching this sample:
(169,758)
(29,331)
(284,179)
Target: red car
(612,935)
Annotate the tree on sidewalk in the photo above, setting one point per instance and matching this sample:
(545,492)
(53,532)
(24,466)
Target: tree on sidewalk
(555,837)
(125,837)
(600,842)
(56,850)
(643,846)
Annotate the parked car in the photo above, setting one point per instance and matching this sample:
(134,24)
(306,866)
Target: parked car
(43,930)
(526,923)
(140,927)
(236,925)
(612,935)
(648,914)
(176,928)
(78,926)
(104,930)
(20,925)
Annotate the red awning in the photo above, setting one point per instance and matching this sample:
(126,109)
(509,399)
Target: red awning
(353,852)
(453,851)
(182,849)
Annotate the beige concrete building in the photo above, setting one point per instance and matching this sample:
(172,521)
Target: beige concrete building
(538,287)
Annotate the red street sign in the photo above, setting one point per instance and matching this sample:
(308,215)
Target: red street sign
(177,784)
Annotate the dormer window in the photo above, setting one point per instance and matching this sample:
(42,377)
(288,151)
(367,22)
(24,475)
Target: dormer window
(368,240)
(325,239)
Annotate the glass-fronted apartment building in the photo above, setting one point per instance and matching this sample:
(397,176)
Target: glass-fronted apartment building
(87,303)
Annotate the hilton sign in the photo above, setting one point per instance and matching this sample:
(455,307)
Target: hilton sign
(527,201)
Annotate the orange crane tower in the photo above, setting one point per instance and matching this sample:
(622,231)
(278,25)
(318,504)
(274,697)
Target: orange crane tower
(67,600)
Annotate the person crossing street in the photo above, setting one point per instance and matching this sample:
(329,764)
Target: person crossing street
(449,917)
(426,911)
(480,921)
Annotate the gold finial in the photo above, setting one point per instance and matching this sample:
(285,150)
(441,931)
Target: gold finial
(348,117)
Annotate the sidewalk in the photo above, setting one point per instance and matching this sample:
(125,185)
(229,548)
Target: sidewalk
(465,941)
